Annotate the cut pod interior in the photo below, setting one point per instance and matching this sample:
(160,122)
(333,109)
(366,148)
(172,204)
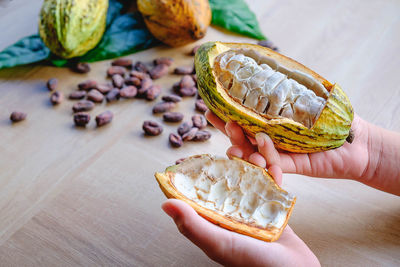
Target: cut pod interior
(269,88)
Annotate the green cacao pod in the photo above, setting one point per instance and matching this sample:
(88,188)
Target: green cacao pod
(264,91)
(70,28)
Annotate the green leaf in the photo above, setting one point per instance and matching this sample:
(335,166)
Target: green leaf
(236,16)
(27,50)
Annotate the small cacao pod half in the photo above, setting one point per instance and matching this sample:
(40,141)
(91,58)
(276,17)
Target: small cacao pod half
(176,22)
(264,91)
(231,193)
(70,28)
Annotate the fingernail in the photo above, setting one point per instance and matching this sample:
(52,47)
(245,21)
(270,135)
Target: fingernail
(228,130)
(260,139)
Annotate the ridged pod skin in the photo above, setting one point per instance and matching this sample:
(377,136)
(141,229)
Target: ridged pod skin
(70,28)
(270,233)
(330,130)
(176,22)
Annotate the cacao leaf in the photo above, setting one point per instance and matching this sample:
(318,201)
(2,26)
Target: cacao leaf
(237,17)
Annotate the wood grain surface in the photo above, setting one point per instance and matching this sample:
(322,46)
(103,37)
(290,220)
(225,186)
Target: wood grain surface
(88,197)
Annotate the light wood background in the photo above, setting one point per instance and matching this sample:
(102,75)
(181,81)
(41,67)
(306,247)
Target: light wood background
(88,197)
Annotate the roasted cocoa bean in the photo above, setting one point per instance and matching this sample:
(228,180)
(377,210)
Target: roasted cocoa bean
(173,116)
(152,128)
(95,96)
(194,50)
(87,85)
(81,119)
(17,116)
(133,81)
(199,121)
(118,81)
(141,67)
(179,161)
(113,95)
(138,74)
(183,70)
(104,88)
(163,60)
(52,84)
(190,134)
(104,118)
(153,92)
(81,67)
(175,140)
(83,105)
(187,81)
(56,98)
(202,135)
(185,127)
(172,98)
(77,95)
(200,105)
(113,70)
(122,62)
(147,82)
(268,44)
(162,107)
(194,77)
(128,92)
(158,71)
(187,91)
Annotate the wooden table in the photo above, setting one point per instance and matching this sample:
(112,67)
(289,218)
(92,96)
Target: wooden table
(88,197)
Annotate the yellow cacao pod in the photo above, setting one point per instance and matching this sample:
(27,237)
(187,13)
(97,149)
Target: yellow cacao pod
(264,91)
(70,28)
(232,193)
(176,22)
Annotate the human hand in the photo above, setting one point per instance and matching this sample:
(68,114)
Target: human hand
(233,249)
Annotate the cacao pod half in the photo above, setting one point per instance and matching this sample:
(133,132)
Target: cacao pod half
(176,22)
(70,28)
(232,193)
(264,91)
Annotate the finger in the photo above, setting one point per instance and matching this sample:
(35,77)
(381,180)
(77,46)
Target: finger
(237,137)
(267,149)
(214,120)
(234,151)
(257,159)
(207,236)
(276,173)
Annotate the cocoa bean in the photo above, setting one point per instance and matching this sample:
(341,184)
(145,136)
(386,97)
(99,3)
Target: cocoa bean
(87,85)
(190,134)
(147,82)
(175,140)
(163,60)
(194,77)
(56,98)
(162,107)
(187,81)
(95,96)
(183,70)
(104,88)
(153,92)
(172,98)
(52,84)
(202,135)
(122,62)
(81,119)
(138,74)
(188,91)
(77,95)
(104,118)
(179,161)
(113,95)
(128,92)
(173,116)
(83,105)
(17,116)
(117,80)
(185,127)
(158,71)
(200,105)
(141,67)
(199,121)
(152,128)
(81,67)
(133,81)
(113,70)
(194,50)
(268,44)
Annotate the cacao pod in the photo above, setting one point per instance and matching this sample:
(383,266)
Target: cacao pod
(70,28)
(176,22)
(264,91)
(232,193)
